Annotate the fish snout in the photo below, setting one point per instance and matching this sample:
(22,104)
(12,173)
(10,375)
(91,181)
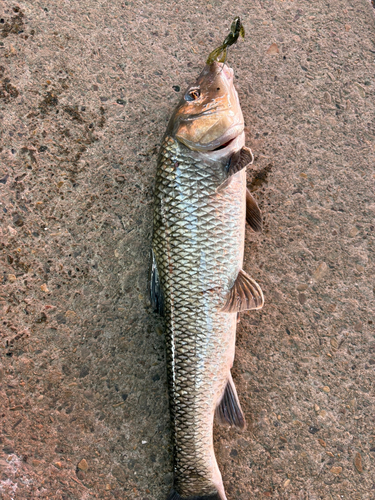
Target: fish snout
(218,68)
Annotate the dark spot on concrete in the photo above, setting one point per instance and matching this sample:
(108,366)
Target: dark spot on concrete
(102,117)
(61,319)
(85,370)
(73,112)
(313,430)
(20,178)
(17,220)
(17,423)
(65,370)
(260,178)
(80,475)
(302,299)
(14,26)
(50,101)
(7,90)
(42,318)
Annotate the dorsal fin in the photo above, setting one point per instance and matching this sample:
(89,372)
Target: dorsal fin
(229,410)
(253,214)
(245,294)
(240,160)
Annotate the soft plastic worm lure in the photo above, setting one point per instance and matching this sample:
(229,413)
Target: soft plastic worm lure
(220,54)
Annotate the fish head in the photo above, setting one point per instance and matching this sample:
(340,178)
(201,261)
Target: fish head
(209,115)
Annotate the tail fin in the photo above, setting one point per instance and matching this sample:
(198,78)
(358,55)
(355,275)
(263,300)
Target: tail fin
(175,496)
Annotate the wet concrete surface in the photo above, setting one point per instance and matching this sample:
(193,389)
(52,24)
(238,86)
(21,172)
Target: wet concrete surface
(86,90)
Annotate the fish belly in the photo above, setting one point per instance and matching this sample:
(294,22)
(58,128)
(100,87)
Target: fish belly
(198,244)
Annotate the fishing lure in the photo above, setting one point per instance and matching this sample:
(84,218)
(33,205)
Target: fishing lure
(220,54)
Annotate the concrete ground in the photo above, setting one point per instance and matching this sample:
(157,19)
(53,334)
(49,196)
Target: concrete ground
(86,90)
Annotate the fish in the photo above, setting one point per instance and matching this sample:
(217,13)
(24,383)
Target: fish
(197,283)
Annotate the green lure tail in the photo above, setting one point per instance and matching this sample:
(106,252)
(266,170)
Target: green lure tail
(220,54)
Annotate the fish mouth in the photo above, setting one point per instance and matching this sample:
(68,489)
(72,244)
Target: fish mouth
(223,143)
(226,140)
(223,146)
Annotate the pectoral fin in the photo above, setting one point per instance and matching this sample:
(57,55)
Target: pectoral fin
(229,409)
(244,295)
(253,214)
(156,293)
(240,160)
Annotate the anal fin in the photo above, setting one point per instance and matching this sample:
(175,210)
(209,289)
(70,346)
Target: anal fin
(156,293)
(253,214)
(229,410)
(244,295)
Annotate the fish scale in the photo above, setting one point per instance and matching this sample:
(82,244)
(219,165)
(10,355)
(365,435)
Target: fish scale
(198,245)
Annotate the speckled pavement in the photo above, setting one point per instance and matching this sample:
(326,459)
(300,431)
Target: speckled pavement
(86,90)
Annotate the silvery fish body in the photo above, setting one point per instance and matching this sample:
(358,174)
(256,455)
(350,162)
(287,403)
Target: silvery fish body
(201,204)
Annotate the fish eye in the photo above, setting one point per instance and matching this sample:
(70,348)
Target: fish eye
(193,94)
